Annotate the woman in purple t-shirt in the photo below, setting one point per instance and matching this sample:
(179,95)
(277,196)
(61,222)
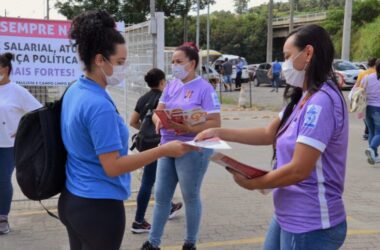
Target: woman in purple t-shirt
(310,138)
(187,91)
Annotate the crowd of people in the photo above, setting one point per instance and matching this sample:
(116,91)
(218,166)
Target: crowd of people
(309,138)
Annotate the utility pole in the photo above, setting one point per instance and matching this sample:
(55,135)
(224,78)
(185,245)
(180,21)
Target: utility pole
(47,10)
(346,41)
(198,24)
(153,24)
(270,32)
(208,40)
(291,21)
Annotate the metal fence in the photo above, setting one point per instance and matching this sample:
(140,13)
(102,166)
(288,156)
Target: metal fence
(140,47)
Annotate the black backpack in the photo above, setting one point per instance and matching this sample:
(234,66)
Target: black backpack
(147,137)
(40,155)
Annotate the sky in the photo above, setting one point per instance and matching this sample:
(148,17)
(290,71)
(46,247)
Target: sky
(37,8)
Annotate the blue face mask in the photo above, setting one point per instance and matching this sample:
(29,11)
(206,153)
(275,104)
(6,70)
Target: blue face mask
(179,71)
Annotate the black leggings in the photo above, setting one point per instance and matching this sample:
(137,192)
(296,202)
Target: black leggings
(92,224)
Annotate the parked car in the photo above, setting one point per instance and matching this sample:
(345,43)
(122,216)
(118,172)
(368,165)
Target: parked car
(349,71)
(361,65)
(213,75)
(234,60)
(252,71)
(262,75)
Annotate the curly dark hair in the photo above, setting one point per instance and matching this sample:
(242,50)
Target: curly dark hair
(6,61)
(153,77)
(95,33)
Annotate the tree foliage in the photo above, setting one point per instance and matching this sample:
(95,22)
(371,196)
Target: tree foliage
(364,42)
(129,11)
(241,6)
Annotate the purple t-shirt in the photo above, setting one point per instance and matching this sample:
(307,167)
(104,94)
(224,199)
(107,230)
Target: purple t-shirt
(315,203)
(197,93)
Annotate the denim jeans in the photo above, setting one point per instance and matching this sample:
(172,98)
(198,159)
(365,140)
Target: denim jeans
(373,122)
(189,171)
(6,170)
(276,81)
(147,182)
(227,79)
(324,239)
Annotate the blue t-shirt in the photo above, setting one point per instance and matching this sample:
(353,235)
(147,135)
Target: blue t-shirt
(276,68)
(91,126)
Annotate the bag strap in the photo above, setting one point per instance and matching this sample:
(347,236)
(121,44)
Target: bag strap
(151,105)
(49,213)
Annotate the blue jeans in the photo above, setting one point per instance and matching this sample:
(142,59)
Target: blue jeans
(324,239)
(276,81)
(373,122)
(143,197)
(189,171)
(6,170)
(227,79)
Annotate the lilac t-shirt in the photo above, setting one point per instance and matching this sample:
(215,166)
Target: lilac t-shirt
(315,203)
(372,89)
(197,93)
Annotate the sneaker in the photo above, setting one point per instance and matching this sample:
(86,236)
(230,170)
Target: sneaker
(370,153)
(365,137)
(272,90)
(139,228)
(175,210)
(4,227)
(148,246)
(189,246)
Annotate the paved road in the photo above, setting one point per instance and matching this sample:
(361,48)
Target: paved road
(233,218)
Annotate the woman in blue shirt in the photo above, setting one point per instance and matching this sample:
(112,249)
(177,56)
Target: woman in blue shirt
(96,138)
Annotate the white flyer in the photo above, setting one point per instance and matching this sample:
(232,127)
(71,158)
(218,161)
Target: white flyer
(212,143)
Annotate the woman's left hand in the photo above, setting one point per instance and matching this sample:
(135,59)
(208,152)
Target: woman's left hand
(179,128)
(241,180)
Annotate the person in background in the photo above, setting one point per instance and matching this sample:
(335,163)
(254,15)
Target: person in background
(96,139)
(239,72)
(15,101)
(155,78)
(310,140)
(187,91)
(227,72)
(276,72)
(371,84)
(371,69)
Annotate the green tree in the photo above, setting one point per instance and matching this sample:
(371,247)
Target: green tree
(241,6)
(366,41)
(129,11)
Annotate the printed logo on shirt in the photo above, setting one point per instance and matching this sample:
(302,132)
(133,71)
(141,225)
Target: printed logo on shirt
(215,99)
(312,116)
(188,95)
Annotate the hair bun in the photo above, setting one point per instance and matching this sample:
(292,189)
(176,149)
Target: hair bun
(9,56)
(90,23)
(106,19)
(148,77)
(191,45)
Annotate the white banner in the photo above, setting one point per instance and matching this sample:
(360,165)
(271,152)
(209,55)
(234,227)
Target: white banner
(42,49)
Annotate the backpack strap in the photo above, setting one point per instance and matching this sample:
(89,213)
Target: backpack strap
(47,210)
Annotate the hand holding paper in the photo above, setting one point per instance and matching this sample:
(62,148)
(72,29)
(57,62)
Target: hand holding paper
(212,143)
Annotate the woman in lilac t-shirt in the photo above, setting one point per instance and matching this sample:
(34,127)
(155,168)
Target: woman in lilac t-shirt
(310,139)
(187,91)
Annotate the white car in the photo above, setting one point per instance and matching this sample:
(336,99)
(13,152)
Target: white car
(348,70)
(213,76)
(234,60)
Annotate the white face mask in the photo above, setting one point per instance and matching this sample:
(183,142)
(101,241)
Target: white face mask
(1,77)
(293,76)
(179,71)
(119,73)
